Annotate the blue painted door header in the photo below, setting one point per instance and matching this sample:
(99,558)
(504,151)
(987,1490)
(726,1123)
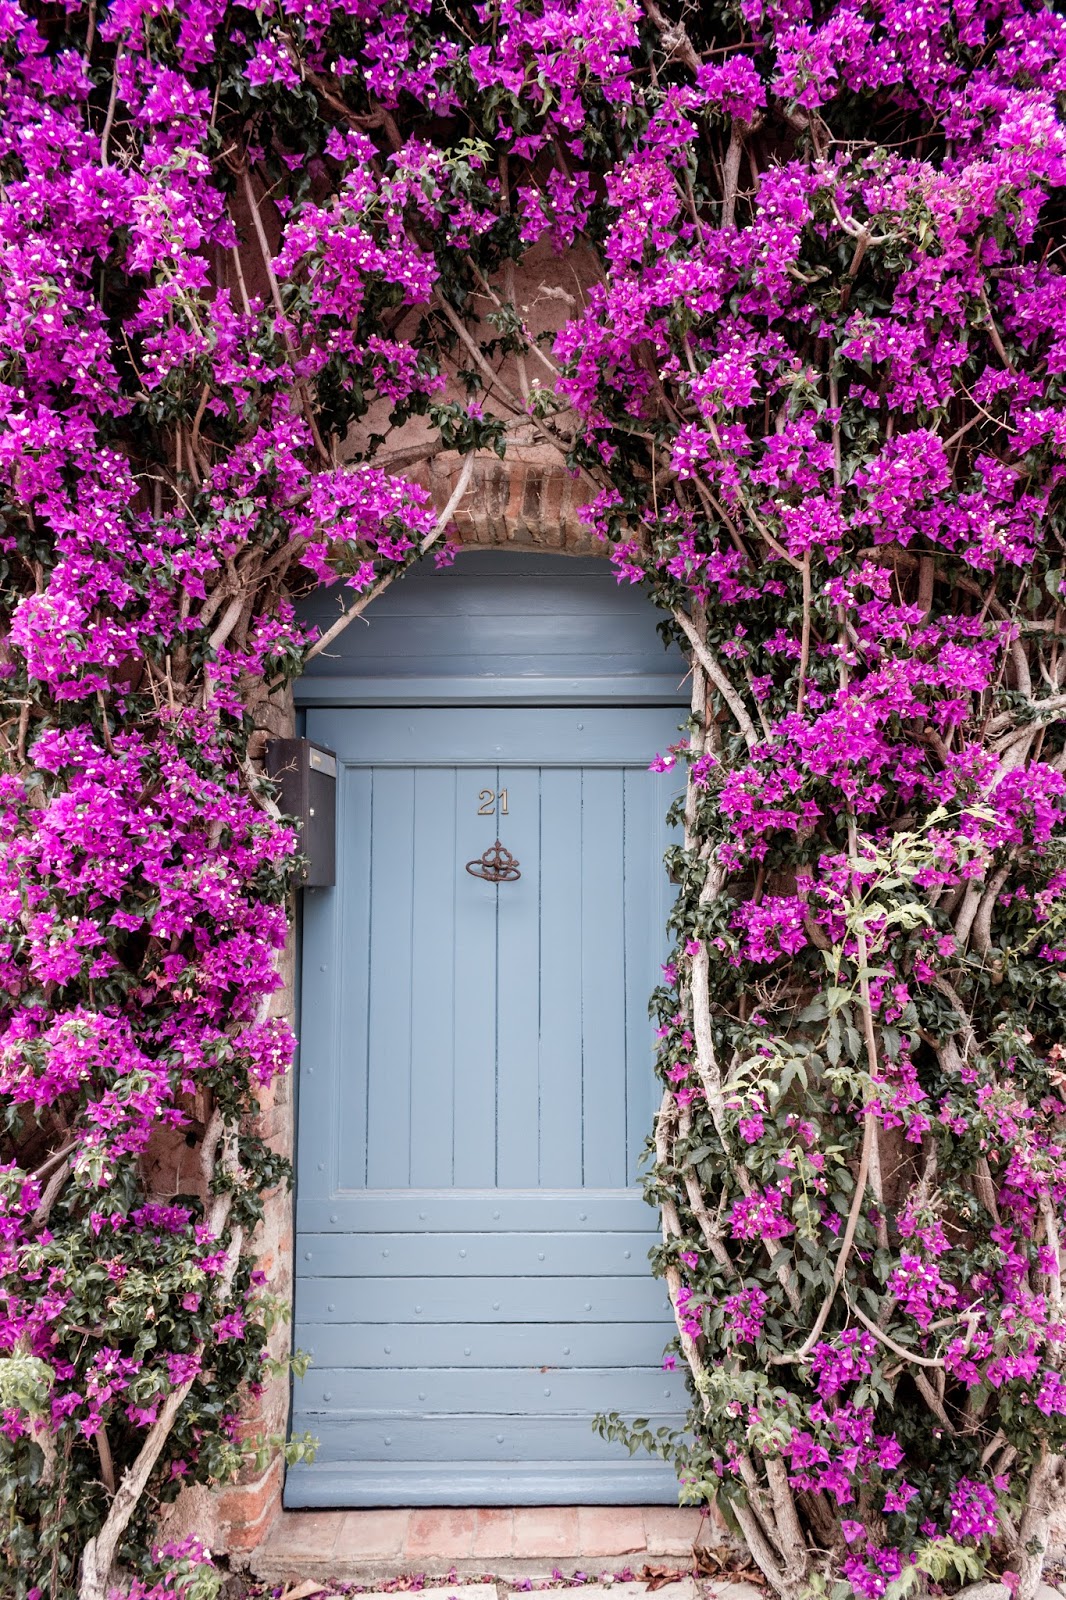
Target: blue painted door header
(499,626)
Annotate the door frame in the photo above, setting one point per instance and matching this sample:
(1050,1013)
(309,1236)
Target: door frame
(353,691)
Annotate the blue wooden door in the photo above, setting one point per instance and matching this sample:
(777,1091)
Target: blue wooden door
(476,1087)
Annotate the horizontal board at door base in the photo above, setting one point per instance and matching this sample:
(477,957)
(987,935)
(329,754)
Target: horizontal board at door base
(356,1438)
(439,1391)
(474,1255)
(474,1210)
(323,1485)
(493,1345)
(428,1300)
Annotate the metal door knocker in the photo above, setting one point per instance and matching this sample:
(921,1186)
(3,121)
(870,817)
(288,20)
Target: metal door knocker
(497,865)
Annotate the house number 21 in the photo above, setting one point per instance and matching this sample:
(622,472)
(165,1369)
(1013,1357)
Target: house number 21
(487,803)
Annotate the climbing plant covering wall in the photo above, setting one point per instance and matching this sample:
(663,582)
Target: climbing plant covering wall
(811,376)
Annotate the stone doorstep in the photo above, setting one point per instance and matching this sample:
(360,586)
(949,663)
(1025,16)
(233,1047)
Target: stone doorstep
(488,1589)
(685,1589)
(372,1547)
(484,1577)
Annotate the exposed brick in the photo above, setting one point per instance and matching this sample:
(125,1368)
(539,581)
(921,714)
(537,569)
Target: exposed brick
(441,1531)
(370,1535)
(545,1531)
(609,1530)
(555,504)
(243,1507)
(493,1532)
(671,1530)
(245,1536)
(532,486)
(303,1535)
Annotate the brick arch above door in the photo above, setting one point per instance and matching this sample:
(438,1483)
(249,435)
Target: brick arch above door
(529,500)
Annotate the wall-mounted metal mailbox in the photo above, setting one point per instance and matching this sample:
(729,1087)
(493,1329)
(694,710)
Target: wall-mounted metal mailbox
(306,775)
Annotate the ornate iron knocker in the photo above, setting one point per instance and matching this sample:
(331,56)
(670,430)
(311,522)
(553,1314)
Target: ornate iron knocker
(497,865)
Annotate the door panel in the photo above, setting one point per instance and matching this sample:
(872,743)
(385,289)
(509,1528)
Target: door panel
(442,1390)
(476,1086)
(464,1255)
(560,1130)
(432,1085)
(516,1347)
(424,1302)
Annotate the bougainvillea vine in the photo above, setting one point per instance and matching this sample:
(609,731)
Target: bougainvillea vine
(259,272)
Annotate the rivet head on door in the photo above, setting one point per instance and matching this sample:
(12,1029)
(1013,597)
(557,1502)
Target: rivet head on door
(462,1255)
(495,1305)
(466,1350)
(499,1438)
(328,1395)
(540,1255)
(588,1305)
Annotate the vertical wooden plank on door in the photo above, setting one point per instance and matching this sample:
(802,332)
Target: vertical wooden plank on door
(603,1023)
(391,979)
(474,956)
(645,948)
(560,979)
(433,997)
(518,982)
(337,943)
(669,787)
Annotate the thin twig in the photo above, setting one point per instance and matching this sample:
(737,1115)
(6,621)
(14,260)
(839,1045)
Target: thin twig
(356,610)
(718,678)
(109,120)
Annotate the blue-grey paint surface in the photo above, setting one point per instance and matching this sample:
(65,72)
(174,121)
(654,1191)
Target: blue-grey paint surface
(476,1087)
(498,625)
